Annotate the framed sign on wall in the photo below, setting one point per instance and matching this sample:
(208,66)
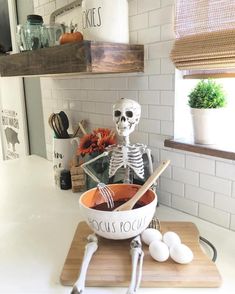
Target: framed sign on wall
(13,126)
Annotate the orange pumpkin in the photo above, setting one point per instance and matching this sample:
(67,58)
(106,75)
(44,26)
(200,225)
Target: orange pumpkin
(70,37)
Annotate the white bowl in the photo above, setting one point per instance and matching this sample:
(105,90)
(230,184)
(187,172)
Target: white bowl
(118,225)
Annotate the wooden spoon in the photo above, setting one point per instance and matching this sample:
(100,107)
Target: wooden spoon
(131,202)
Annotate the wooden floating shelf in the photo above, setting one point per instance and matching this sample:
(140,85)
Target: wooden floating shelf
(227,152)
(79,57)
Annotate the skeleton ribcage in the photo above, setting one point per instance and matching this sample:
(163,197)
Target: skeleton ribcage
(130,156)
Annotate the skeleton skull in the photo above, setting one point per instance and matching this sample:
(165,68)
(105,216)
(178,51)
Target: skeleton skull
(126,115)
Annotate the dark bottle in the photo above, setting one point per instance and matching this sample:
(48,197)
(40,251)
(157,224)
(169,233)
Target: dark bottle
(65,180)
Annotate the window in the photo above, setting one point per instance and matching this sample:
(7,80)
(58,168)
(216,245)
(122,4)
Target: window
(204,47)
(205,34)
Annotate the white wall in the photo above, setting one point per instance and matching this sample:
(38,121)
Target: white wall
(199,185)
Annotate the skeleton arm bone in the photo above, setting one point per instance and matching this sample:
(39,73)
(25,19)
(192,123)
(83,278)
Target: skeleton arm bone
(88,171)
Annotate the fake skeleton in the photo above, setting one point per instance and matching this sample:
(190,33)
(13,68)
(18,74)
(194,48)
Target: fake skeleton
(126,115)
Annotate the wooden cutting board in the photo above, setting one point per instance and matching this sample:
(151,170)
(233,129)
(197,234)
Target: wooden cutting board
(111,264)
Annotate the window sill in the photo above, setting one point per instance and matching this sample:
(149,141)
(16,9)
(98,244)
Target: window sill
(211,150)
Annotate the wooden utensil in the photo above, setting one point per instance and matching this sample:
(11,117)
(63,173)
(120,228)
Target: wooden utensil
(158,171)
(80,129)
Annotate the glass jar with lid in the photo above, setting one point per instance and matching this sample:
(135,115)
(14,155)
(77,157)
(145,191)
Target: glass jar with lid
(30,34)
(33,30)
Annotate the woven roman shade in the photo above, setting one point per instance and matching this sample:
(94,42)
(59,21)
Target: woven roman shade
(205,35)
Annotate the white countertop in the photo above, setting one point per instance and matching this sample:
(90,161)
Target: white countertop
(38,222)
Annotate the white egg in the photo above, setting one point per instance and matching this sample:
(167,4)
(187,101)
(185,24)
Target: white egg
(181,253)
(149,235)
(159,251)
(171,238)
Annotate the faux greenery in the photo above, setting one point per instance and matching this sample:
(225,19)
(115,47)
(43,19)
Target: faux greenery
(207,94)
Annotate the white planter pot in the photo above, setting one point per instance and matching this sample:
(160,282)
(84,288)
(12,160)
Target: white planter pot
(105,20)
(207,124)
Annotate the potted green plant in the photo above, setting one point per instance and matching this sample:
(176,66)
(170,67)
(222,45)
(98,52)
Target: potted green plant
(207,101)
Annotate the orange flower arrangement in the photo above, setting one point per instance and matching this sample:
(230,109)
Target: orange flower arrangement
(96,141)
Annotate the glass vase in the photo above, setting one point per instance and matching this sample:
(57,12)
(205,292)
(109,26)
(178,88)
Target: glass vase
(100,168)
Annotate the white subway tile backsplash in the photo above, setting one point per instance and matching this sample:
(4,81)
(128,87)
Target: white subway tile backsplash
(108,122)
(215,184)
(167,32)
(161,16)
(214,215)
(233,189)
(199,195)
(39,10)
(232,224)
(156,141)
(139,137)
(159,50)
(149,35)
(167,128)
(167,67)
(185,205)
(66,83)
(148,5)
(160,112)
(225,203)
(47,93)
(75,105)
(104,108)
(167,2)
(35,3)
(118,83)
(46,83)
(185,176)
(149,125)
(203,165)
(48,103)
(73,94)
(225,170)
(96,119)
(88,106)
(49,8)
(87,84)
(138,83)
(155,153)
(60,3)
(144,111)
(176,159)
(149,97)
(129,94)
(132,5)
(133,37)
(138,22)
(152,67)
(164,197)
(161,82)
(102,96)
(167,98)
(64,105)
(171,186)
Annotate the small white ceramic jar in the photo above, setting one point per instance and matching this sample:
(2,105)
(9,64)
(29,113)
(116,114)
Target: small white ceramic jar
(105,20)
